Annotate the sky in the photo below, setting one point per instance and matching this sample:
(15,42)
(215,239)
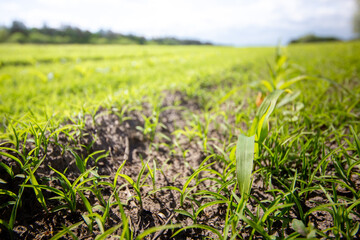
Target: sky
(228,22)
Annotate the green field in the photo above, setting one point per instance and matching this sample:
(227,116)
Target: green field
(180,142)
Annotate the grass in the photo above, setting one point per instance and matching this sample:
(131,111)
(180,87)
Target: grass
(245,144)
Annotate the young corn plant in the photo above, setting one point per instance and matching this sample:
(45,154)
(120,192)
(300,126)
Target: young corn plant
(186,190)
(200,127)
(66,196)
(67,231)
(248,145)
(140,181)
(9,225)
(280,72)
(150,125)
(28,163)
(81,163)
(28,173)
(92,216)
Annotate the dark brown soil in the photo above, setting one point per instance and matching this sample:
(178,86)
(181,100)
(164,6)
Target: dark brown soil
(176,156)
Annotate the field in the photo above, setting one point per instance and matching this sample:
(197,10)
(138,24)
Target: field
(174,142)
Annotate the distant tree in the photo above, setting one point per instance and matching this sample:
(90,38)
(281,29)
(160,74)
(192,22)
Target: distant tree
(356,19)
(19,33)
(18,27)
(17,37)
(38,37)
(4,34)
(48,31)
(313,38)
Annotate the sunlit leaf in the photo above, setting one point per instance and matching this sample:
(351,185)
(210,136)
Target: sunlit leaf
(244,162)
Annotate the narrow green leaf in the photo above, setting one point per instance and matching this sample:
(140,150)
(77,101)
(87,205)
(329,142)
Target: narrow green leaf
(7,169)
(354,229)
(263,114)
(76,185)
(15,208)
(207,205)
(13,158)
(80,163)
(39,196)
(62,176)
(356,140)
(290,97)
(290,82)
(226,96)
(65,231)
(244,162)
(205,227)
(183,195)
(185,213)
(273,208)
(108,232)
(254,225)
(299,227)
(7,192)
(117,173)
(268,85)
(48,188)
(132,183)
(86,202)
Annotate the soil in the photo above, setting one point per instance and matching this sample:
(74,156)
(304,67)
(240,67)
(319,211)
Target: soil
(176,156)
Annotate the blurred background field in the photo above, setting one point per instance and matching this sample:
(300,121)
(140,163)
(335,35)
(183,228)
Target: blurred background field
(62,80)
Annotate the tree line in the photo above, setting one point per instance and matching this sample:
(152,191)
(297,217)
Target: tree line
(311,38)
(18,32)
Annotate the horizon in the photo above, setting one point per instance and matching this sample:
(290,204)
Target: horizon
(248,23)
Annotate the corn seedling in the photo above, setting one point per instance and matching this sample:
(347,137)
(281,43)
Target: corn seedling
(67,230)
(67,196)
(248,146)
(82,163)
(9,225)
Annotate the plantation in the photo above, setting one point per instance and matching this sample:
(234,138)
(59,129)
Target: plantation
(174,142)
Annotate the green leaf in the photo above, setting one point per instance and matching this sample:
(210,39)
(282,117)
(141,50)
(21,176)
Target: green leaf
(207,205)
(244,162)
(39,196)
(107,233)
(7,169)
(185,213)
(260,229)
(15,208)
(9,193)
(65,231)
(12,157)
(156,229)
(354,229)
(233,91)
(356,140)
(205,227)
(80,163)
(290,82)
(290,97)
(273,208)
(86,202)
(48,188)
(63,177)
(263,114)
(268,85)
(299,227)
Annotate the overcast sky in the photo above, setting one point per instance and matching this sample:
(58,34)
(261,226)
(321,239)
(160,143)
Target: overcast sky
(240,23)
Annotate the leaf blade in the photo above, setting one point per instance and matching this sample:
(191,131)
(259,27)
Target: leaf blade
(244,162)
